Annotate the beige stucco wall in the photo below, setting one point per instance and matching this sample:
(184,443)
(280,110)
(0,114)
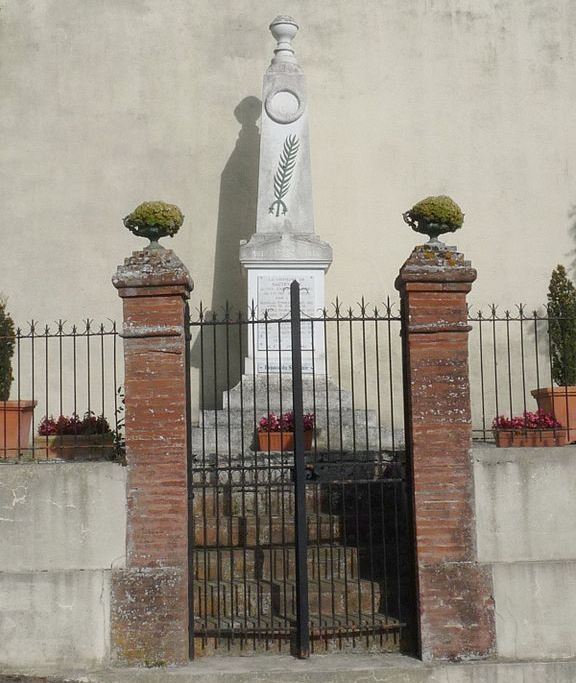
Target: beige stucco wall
(108,103)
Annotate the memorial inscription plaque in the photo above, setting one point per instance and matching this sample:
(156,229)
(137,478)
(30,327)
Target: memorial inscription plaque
(274,300)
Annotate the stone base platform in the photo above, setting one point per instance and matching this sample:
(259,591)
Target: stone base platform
(343,423)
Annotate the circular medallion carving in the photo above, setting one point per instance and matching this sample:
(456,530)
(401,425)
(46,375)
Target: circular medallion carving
(284,106)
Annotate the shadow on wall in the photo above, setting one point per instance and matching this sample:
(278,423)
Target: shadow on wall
(218,357)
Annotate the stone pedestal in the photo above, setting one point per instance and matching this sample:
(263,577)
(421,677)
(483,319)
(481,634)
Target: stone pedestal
(271,267)
(150,597)
(456,607)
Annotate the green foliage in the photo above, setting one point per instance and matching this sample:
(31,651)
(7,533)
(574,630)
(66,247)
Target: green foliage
(154,220)
(562,327)
(435,215)
(6,351)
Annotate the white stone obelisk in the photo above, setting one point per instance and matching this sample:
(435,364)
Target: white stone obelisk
(285,246)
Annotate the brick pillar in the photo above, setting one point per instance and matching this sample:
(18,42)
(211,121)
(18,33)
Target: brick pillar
(456,607)
(150,595)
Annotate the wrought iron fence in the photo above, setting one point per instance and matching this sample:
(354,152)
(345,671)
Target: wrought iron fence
(511,366)
(244,536)
(66,399)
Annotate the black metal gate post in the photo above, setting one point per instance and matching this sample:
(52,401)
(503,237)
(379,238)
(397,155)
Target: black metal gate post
(302,614)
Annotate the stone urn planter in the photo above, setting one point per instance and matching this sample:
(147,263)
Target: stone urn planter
(529,438)
(74,447)
(15,427)
(282,441)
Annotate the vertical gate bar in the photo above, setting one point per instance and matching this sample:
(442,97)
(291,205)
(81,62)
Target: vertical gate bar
(280,495)
(316,497)
(390,371)
(229,485)
(302,615)
(482,390)
(202,483)
(114,373)
(60,366)
(88,369)
(216,487)
(537,357)
(509,363)
(254,333)
(522,356)
(191,536)
(365,368)
(267,474)
(46,380)
(352,384)
(242,482)
(327,392)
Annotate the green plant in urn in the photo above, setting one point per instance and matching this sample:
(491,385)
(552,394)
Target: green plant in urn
(154,220)
(434,216)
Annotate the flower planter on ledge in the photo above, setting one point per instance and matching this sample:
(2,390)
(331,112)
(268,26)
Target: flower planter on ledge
(15,425)
(74,447)
(560,402)
(282,441)
(530,438)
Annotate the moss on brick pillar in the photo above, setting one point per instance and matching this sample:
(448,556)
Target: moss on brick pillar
(456,607)
(150,596)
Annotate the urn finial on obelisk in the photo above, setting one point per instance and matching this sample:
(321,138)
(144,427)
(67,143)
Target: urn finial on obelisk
(284,30)
(285,246)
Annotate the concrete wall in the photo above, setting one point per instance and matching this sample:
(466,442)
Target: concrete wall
(62,529)
(105,104)
(526,508)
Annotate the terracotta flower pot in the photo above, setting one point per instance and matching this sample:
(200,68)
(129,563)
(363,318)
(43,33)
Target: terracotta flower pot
(74,447)
(561,403)
(529,438)
(15,426)
(282,441)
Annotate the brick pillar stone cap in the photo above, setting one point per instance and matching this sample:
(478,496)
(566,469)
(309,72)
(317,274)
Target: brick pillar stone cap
(432,264)
(153,268)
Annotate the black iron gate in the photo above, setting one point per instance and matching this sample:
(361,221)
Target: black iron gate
(298,547)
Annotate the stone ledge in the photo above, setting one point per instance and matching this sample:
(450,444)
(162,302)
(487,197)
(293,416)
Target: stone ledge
(331,669)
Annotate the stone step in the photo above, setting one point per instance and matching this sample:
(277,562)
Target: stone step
(357,597)
(275,471)
(225,564)
(274,634)
(237,531)
(211,501)
(249,420)
(232,599)
(266,624)
(324,562)
(333,597)
(233,440)
(267,390)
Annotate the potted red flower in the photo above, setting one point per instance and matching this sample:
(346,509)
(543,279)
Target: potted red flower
(529,430)
(276,432)
(72,438)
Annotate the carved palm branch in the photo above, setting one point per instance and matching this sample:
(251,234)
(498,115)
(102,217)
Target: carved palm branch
(284,173)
